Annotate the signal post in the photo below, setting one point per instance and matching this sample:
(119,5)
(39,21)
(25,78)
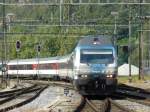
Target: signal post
(38,56)
(18,46)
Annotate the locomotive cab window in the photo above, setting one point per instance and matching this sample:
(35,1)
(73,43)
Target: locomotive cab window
(103,56)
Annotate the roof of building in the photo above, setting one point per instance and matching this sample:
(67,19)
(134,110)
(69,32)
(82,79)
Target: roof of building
(123,70)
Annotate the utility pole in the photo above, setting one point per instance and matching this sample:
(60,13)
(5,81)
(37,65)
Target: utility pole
(140,44)
(115,31)
(4,52)
(115,14)
(141,47)
(7,21)
(60,12)
(141,55)
(129,47)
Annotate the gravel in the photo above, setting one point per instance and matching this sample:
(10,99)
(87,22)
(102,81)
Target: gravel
(142,85)
(134,106)
(13,85)
(46,98)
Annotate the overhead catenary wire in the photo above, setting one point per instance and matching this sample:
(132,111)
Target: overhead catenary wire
(58,4)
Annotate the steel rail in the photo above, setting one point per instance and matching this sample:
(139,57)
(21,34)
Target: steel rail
(132,94)
(81,105)
(23,102)
(68,85)
(92,105)
(130,88)
(14,95)
(16,90)
(120,106)
(105,105)
(143,102)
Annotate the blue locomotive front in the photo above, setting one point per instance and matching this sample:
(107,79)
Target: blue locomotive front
(95,68)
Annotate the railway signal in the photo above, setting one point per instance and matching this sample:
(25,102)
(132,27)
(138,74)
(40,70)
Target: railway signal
(18,45)
(38,55)
(1,67)
(66,91)
(38,48)
(125,49)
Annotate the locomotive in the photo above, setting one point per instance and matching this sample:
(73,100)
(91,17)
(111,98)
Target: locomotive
(95,65)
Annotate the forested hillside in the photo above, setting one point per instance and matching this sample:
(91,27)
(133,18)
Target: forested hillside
(57,28)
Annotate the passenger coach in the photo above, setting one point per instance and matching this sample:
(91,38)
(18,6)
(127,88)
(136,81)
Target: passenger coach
(55,67)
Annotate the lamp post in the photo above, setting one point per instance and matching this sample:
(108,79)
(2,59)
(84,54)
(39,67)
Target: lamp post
(9,17)
(115,14)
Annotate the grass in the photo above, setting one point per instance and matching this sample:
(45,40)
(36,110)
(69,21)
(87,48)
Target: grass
(135,79)
(1,86)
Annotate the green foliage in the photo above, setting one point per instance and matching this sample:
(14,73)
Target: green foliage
(60,40)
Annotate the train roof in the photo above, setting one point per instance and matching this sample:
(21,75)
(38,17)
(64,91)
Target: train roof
(92,40)
(57,59)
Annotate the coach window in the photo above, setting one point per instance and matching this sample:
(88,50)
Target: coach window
(12,67)
(21,67)
(47,66)
(44,66)
(29,67)
(41,66)
(62,65)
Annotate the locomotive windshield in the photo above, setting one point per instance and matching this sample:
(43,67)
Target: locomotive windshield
(102,56)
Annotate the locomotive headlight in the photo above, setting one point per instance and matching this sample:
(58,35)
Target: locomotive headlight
(75,77)
(83,76)
(110,72)
(109,75)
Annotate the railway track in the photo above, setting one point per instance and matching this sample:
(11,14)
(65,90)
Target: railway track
(16,98)
(9,93)
(101,105)
(60,101)
(124,95)
(132,98)
(134,94)
(106,104)
(133,89)
(51,83)
(141,99)
(143,102)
